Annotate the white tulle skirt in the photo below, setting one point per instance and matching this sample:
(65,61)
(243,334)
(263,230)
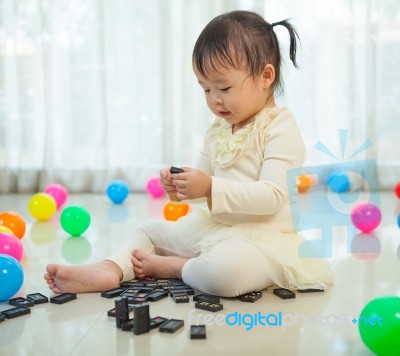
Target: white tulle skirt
(199,233)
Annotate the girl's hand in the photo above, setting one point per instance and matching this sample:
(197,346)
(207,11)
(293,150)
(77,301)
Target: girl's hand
(166,182)
(191,184)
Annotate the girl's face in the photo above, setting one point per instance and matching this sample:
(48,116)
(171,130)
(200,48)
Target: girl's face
(235,96)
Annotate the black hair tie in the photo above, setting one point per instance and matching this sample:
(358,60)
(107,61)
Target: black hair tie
(276,23)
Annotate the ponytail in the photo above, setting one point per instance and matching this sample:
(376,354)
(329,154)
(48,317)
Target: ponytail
(294,37)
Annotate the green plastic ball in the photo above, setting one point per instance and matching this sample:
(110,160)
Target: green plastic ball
(379,325)
(75,220)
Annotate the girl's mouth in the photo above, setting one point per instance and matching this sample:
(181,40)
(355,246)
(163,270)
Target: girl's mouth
(224,113)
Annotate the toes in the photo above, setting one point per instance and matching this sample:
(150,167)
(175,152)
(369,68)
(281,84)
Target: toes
(51,269)
(138,253)
(57,291)
(49,279)
(53,287)
(140,275)
(137,267)
(138,272)
(136,263)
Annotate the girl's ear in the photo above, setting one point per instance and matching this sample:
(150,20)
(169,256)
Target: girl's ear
(268,75)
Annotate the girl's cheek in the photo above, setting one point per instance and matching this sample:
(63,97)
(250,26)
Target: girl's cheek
(209,104)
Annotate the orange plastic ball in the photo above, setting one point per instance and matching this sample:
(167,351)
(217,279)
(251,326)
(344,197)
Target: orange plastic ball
(304,183)
(174,211)
(14,222)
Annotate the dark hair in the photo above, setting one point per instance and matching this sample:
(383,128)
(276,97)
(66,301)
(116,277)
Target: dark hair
(242,40)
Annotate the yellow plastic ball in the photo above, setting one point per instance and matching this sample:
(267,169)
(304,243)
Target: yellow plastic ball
(6,229)
(42,206)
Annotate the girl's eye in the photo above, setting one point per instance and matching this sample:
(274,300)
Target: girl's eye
(225,89)
(206,90)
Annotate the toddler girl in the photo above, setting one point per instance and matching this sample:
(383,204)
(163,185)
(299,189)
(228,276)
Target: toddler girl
(244,240)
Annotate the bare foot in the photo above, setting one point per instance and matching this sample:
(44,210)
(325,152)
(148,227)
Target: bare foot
(96,277)
(148,264)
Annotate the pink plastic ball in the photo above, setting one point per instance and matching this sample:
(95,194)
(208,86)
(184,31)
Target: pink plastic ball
(154,188)
(11,245)
(366,216)
(58,192)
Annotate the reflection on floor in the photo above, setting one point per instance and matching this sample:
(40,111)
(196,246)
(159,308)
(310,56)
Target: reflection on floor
(365,267)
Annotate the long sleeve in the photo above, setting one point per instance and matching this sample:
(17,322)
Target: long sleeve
(203,163)
(262,189)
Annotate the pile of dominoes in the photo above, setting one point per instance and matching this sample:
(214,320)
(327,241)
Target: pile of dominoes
(134,297)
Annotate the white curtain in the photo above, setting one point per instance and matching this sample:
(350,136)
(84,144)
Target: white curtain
(94,90)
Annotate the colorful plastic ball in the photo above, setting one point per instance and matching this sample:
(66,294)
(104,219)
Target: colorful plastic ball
(174,211)
(117,191)
(397,190)
(338,182)
(75,220)
(14,222)
(6,229)
(366,216)
(154,188)
(11,277)
(11,245)
(58,192)
(42,206)
(304,183)
(379,325)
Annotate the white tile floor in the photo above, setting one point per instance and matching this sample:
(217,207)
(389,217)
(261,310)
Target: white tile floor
(81,327)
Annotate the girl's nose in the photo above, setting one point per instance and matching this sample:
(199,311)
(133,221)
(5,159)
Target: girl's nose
(217,99)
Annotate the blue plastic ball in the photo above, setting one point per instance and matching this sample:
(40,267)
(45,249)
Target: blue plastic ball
(11,277)
(338,182)
(117,191)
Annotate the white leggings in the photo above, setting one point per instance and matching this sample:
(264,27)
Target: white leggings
(230,268)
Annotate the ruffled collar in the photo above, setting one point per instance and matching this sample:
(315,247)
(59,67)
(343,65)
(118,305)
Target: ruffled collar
(226,147)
